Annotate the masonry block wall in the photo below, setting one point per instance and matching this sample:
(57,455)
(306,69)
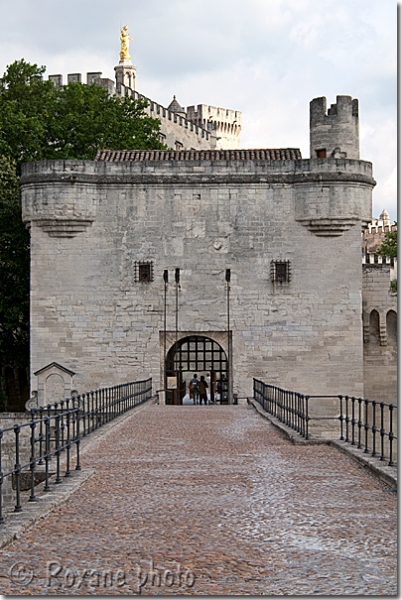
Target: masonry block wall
(92,222)
(380,334)
(334,132)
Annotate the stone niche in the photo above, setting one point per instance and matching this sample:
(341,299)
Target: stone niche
(54,384)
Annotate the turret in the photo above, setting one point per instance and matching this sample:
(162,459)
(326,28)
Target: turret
(334,133)
(175,107)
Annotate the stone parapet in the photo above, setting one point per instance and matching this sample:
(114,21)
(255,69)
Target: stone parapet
(330,195)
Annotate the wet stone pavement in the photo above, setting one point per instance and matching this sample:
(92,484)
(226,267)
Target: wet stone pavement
(211,501)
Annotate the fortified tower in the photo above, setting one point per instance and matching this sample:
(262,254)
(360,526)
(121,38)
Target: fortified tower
(334,133)
(224,123)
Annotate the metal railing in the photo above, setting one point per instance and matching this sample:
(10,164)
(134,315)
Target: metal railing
(29,448)
(289,407)
(370,425)
(366,424)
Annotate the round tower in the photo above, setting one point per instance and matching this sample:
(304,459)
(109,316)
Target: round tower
(334,133)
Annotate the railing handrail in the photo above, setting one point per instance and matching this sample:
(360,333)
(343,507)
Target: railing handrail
(58,427)
(281,404)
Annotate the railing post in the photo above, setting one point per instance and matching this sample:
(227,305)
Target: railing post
(77,434)
(341,416)
(366,426)
(32,497)
(17,469)
(359,424)
(353,421)
(390,435)
(307,417)
(57,449)
(41,409)
(68,445)
(382,430)
(373,428)
(47,452)
(347,418)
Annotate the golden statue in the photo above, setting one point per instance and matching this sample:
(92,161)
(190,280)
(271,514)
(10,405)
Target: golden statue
(125,42)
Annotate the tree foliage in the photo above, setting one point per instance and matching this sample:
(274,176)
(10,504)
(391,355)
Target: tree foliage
(14,271)
(39,121)
(389,247)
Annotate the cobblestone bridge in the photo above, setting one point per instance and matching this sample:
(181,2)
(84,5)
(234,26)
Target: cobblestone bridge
(210,500)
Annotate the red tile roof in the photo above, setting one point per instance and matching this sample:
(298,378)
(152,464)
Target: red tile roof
(157,155)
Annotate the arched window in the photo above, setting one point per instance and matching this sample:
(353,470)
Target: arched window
(392,327)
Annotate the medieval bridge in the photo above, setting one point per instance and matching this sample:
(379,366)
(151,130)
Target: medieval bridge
(119,491)
(112,493)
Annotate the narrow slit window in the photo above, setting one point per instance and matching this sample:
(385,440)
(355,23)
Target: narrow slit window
(144,272)
(280,271)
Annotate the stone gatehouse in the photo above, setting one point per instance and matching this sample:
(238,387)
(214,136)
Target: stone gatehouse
(237,263)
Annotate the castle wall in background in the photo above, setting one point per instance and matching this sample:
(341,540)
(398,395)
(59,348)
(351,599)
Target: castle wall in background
(380,333)
(203,127)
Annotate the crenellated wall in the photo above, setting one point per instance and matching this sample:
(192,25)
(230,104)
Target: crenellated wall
(223,123)
(374,236)
(334,133)
(204,128)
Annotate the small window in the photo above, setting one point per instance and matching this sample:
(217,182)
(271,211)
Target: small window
(144,272)
(280,271)
(322,153)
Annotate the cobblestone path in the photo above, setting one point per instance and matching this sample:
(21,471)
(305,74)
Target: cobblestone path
(212,500)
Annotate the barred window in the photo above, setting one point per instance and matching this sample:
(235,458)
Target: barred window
(280,271)
(144,271)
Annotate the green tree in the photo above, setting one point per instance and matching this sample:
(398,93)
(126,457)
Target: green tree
(14,270)
(39,121)
(389,247)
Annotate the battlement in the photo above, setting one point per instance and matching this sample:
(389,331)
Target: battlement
(380,228)
(201,127)
(224,122)
(374,233)
(167,117)
(377,259)
(92,78)
(334,133)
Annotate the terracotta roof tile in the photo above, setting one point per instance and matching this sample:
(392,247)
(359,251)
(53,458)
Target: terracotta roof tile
(158,155)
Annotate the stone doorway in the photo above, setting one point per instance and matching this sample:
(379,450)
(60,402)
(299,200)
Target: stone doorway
(201,355)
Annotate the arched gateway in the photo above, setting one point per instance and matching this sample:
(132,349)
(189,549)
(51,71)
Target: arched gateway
(201,355)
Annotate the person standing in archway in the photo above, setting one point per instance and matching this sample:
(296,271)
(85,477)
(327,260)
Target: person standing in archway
(193,388)
(202,388)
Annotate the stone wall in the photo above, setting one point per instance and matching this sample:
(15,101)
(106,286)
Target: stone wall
(8,447)
(202,127)
(334,132)
(92,222)
(373,237)
(380,334)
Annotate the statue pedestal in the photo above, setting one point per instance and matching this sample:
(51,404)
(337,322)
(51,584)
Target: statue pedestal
(126,74)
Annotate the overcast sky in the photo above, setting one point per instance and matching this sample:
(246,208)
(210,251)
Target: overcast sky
(266,58)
